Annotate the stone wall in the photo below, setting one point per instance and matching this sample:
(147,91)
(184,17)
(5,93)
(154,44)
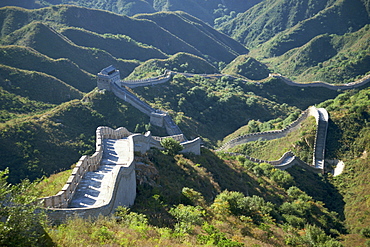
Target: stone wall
(322,121)
(274,162)
(157,117)
(123,192)
(85,164)
(127,96)
(350,85)
(148,81)
(321,116)
(267,135)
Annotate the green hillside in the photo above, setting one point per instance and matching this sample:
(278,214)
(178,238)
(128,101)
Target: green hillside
(181,62)
(331,58)
(29,59)
(151,33)
(14,106)
(37,145)
(120,45)
(210,42)
(48,42)
(247,67)
(287,24)
(307,40)
(266,19)
(341,17)
(36,86)
(207,11)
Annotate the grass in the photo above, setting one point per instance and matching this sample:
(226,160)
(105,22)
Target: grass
(164,214)
(300,141)
(50,186)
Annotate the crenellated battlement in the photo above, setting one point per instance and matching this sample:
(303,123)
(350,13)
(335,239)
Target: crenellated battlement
(289,159)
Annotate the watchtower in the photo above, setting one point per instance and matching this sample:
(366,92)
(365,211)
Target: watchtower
(108,76)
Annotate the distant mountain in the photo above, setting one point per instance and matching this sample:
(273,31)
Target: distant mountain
(180,62)
(121,46)
(207,11)
(307,40)
(36,86)
(27,58)
(206,39)
(102,22)
(247,67)
(286,24)
(333,58)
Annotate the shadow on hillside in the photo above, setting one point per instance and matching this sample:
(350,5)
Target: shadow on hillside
(206,173)
(319,188)
(233,177)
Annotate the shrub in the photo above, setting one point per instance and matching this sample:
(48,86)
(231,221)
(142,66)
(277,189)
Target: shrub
(365,232)
(194,196)
(187,216)
(215,238)
(19,224)
(171,146)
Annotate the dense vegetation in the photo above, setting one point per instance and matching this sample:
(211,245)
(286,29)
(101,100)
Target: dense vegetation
(311,40)
(348,140)
(36,145)
(300,142)
(180,62)
(207,11)
(247,67)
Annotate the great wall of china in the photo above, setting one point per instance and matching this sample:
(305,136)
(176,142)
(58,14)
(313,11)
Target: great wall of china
(289,159)
(105,180)
(99,183)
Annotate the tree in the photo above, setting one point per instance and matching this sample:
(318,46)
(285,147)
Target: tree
(171,146)
(20,222)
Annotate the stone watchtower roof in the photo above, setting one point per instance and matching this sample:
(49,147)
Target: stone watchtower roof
(108,71)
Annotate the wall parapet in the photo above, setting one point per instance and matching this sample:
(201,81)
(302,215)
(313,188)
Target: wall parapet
(322,121)
(322,118)
(274,162)
(358,83)
(138,142)
(85,164)
(148,81)
(286,161)
(273,134)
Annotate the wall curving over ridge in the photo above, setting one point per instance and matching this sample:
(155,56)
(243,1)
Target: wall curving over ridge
(288,159)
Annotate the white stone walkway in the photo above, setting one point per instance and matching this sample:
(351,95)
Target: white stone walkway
(96,188)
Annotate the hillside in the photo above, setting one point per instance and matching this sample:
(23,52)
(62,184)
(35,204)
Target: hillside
(120,45)
(152,33)
(341,17)
(203,36)
(88,59)
(14,106)
(285,21)
(207,11)
(50,109)
(181,62)
(348,140)
(333,58)
(29,59)
(247,67)
(307,41)
(36,86)
(37,145)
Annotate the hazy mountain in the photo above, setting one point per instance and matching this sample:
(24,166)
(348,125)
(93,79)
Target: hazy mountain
(207,11)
